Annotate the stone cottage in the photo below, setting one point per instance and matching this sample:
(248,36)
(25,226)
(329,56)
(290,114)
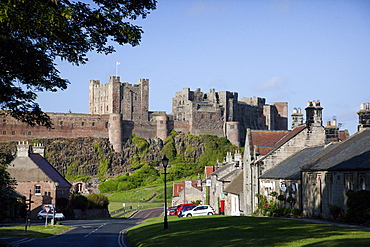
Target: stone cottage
(35,176)
(327,178)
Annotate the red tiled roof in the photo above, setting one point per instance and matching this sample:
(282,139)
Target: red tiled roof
(266,140)
(290,135)
(208,170)
(178,187)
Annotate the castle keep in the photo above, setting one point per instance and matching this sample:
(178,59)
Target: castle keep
(119,109)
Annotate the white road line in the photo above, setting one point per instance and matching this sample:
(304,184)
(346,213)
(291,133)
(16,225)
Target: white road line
(22,241)
(94,230)
(121,238)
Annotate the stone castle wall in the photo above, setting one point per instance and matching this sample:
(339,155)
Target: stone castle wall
(119,109)
(68,125)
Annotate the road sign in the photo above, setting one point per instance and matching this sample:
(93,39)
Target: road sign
(47,209)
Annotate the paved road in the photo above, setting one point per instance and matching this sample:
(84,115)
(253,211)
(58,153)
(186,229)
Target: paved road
(90,233)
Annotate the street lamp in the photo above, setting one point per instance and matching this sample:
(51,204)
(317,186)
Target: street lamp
(165,164)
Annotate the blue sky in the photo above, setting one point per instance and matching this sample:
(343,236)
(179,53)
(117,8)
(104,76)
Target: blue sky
(290,51)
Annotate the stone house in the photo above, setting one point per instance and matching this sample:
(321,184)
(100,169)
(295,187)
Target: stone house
(35,176)
(187,191)
(310,134)
(285,178)
(315,176)
(327,178)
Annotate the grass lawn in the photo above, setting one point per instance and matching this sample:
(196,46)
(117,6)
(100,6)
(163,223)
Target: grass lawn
(227,231)
(33,231)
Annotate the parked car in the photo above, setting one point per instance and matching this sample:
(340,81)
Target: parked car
(171,211)
(185,209)
(200,210)
(42,215)
(180,207)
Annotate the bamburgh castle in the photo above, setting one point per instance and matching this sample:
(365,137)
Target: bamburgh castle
(119,109)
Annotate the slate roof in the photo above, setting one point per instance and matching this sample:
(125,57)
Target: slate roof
(236,186)
(49,170)
(228,177)
(290,167)
(222,168)
(353,153)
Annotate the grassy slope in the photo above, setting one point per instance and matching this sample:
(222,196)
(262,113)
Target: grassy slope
(243,231)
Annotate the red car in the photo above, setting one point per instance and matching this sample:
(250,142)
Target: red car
(171,211)
(181,207)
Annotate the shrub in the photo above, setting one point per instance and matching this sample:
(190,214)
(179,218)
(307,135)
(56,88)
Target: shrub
(79,202)
(97,201)
(358,206)
(335,211)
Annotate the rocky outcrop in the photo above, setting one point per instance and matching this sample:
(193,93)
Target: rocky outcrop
(83,155)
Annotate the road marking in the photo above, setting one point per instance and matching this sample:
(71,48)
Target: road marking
(121,238)
(94,230)
(22,241)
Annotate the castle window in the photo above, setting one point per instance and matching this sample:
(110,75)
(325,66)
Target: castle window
(61,123)
(106,125)
(93,124)
(13,132)
(231,126)
(82,124)
(161,122)
(29,133)
(4,133)
(4,121)
(107,108)
(37,189)
(114,118)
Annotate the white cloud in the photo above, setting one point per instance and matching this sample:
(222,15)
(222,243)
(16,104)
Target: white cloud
(275,83)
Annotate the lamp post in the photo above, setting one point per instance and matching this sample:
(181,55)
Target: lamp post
(165,164)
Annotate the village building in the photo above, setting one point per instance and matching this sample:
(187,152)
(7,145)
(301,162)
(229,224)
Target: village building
(314,178)
(327,178)
(38,179)
(188,191)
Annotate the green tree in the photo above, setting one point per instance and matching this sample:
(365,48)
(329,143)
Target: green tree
(7,184)
(33,34)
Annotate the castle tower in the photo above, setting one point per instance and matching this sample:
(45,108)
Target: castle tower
(135,101)
(144,90)
(105,99)
(115,131)
(313,114)
(364,116)
(232,133)
(162,130)
(297,118)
